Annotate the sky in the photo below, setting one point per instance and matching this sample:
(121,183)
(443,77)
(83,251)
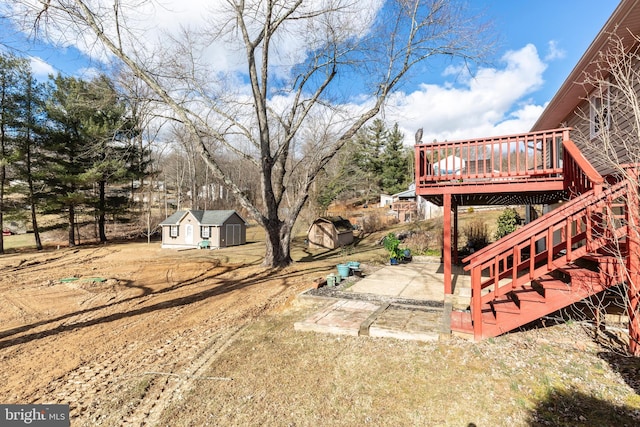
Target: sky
(540,41)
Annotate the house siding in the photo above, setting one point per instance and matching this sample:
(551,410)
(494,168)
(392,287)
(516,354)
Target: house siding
(604,160)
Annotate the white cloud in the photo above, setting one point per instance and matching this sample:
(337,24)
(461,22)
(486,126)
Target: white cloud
(554,52)
(153,29)
(489,103)
(40,68)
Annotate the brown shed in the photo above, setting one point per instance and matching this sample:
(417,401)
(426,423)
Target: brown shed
(330,232)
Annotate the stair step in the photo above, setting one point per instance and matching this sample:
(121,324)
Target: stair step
(505,305)
(580,276)
(489,317)
(461,321)
(528,293)
(547,281)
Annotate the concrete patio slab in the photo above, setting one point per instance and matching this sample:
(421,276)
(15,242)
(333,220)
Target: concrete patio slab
(343,317)
(406,301)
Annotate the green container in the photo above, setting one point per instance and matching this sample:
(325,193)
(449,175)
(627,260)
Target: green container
(331,280)
(343,270)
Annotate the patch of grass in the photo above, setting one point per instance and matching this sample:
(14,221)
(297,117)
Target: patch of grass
(284,377)
(16,241)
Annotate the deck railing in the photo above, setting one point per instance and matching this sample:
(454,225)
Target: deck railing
(530,156)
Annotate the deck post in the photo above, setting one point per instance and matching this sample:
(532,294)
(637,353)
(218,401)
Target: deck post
(633,267)
(456,259)
(446,244)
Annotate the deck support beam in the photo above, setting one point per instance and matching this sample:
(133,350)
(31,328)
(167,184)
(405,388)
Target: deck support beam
(446,244)
(456,258)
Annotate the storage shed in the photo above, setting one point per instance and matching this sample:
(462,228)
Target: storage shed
(330,232)
(203,229)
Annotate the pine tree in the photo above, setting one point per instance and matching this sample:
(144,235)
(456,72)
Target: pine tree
(69,158)
(29,165)
(9,76)
(396,169)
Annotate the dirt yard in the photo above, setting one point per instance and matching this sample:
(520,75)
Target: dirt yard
(82,325)
(129,334)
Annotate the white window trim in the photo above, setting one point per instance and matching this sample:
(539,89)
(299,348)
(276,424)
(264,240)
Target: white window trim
(205,232)
(173,230)
(599,106)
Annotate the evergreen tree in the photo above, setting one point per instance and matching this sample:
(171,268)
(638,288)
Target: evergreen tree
(69,159)
(108,132)
(31,130)
(396,168)
(9,78)
(369,144)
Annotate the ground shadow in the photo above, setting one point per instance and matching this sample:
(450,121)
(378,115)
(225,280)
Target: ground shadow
(628,368)
(220,287)
(572,408)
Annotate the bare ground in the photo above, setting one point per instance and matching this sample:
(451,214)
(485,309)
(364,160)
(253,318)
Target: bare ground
(132,335)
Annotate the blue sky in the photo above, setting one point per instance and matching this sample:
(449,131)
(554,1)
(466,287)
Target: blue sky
(540,41)
(570,24)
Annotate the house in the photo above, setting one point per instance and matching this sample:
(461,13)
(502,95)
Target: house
(386,200)
(203,229)
(450,165)
(330,232)
(409,207)
(405,206)
(586,241)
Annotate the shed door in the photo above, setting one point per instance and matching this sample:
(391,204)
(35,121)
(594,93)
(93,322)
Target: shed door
(188,234)
(233,234)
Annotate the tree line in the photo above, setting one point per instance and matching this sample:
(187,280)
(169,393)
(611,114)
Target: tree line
(70,146)
(374,161)
(66,145)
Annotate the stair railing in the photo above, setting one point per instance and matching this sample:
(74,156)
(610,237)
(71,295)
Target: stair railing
(580,226)
(579,175)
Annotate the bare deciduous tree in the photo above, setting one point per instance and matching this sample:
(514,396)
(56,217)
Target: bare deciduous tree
(611,142)
(287,112)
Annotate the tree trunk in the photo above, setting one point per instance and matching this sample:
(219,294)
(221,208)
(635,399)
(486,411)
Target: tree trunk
(1,235)
(101,213)
(32,201)
(34,225)
(2,210)
(278,237)
(72,226)
(633,267)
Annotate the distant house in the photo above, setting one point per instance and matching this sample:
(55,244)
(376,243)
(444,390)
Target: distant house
(385,200)
(409,207)
(451,165)
(203,229)
(330,232)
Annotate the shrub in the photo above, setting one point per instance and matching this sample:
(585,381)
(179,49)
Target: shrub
(507,222)
(392,245)
(477,234)
(371,223)
(420,242)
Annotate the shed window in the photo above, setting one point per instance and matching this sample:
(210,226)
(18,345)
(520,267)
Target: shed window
(599,113)
(205,232)
(173,231)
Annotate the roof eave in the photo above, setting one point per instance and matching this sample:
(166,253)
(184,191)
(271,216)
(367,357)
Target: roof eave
(624,19)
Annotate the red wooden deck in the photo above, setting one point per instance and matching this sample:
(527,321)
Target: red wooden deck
(513,164)
(554,261)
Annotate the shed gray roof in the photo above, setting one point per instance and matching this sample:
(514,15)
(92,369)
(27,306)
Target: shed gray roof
(203,217)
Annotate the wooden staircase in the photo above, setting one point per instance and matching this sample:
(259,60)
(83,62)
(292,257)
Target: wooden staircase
(569,254)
